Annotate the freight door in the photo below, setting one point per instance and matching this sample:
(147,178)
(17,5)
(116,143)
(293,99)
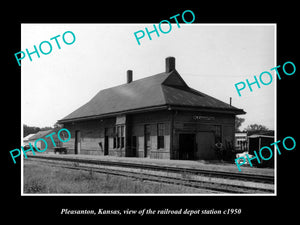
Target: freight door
(205,145)
(187,146)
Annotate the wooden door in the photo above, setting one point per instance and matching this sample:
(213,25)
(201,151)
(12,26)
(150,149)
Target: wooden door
(186,146)
(77,142)
(205,145)
(106,139)
(147,142)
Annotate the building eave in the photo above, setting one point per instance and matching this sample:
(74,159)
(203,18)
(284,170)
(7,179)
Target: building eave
(131,111)
(155,108)
(234,111)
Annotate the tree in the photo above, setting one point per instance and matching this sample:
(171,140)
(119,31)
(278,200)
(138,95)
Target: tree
(29,130)
(238,123)
(256,129)
(33,130)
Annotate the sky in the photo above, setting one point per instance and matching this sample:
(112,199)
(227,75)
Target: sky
(211,58)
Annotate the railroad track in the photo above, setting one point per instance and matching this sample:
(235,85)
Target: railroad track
(220,181)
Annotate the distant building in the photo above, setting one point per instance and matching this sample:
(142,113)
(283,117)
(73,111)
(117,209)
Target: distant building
(241,141)
(26,139)
(158,117)
(41,144)
(256,142)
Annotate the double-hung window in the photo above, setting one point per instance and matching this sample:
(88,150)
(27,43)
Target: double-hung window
(119,136)
(160,135)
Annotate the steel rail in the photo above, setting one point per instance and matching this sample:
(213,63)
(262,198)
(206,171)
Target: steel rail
(183,180)
(196,171)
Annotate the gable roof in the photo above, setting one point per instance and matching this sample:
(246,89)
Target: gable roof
(160,90)
(27,137)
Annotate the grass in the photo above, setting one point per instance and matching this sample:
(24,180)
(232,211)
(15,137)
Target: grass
(41,178)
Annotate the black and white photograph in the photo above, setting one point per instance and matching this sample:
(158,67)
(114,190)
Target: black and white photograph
(159,117)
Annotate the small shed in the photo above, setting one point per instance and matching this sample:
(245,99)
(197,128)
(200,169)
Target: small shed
(256,142)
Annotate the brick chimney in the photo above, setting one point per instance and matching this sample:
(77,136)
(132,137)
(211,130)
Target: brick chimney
(129,76)
(170,64)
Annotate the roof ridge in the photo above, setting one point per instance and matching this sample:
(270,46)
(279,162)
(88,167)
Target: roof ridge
(209,96)
(163,84)
(138,80)
(139,93)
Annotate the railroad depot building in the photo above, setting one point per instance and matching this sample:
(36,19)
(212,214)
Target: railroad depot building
(158,117)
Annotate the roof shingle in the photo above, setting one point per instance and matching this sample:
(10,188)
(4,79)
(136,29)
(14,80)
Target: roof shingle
(163,89)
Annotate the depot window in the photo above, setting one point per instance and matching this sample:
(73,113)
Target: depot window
(160,135)
(119,136)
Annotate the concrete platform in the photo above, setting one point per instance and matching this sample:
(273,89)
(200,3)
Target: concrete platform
(200,164)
